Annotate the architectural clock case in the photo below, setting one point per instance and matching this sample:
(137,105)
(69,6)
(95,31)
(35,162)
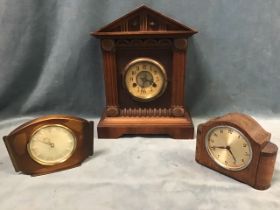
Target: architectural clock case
(237,146)
(50,143)
(144,57)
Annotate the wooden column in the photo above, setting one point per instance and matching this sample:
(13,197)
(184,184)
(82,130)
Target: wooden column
(178,77)
(110,76)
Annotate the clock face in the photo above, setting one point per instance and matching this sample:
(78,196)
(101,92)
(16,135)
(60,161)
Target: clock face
(51,144)
(145,79)
(228,147)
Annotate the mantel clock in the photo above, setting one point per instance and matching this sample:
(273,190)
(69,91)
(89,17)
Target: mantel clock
(237,146)
(144,57)
(50,143)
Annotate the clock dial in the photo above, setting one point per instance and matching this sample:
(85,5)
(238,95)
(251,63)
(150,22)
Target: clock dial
(51,144)
(228,147)
(145,79)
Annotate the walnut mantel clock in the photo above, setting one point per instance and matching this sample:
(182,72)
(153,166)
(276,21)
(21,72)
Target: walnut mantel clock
(144,57)
(237,146)
(50,143)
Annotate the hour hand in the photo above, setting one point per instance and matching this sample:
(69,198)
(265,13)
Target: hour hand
(47,142)
(219,147)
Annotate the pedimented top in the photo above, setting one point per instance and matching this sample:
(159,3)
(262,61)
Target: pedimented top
(144,22)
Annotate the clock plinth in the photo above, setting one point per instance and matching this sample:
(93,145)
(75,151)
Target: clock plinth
(174,127)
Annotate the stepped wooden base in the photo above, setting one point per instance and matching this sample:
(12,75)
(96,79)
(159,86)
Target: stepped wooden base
(175,127)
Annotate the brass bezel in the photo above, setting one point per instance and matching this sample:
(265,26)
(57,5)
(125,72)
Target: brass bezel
(148,60)
(217,161)
(36,159)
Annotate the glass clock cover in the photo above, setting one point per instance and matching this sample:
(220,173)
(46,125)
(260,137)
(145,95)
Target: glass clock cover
(228,147)
(51,144)
(145,79)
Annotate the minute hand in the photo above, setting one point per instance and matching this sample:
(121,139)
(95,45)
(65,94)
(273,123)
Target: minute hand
(44,142)
(231,154)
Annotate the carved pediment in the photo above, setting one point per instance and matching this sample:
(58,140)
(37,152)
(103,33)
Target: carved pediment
(144,22)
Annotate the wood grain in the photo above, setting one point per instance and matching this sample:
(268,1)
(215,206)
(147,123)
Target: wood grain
(150,34)
(16,144)
(258,173)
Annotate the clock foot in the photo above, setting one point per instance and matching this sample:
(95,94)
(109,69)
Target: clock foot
(174,127)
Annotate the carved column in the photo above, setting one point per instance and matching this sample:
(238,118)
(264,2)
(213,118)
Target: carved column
(110,75)
(178,77)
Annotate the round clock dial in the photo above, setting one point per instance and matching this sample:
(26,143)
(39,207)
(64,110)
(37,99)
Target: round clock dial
(51,144)
(145,79)
(228,147)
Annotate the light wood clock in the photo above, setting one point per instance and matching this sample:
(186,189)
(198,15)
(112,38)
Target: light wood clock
(50,143)
(144,57)
(237,146)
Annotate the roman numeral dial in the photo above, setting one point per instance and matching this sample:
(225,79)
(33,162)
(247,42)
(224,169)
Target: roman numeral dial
(145,79)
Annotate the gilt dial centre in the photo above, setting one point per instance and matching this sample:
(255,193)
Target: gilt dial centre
(145,79)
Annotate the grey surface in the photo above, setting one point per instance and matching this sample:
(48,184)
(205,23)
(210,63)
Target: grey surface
(135,174)
(50,64)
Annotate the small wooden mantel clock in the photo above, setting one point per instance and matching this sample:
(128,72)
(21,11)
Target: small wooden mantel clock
(237,146)
(50,143)
(144,55)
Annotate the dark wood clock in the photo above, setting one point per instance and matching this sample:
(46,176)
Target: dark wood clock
(237,146)
(144,57)
(50,143)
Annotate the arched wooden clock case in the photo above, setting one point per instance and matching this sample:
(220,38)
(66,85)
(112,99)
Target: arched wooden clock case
(19,144)
(259,169)
(145,34)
